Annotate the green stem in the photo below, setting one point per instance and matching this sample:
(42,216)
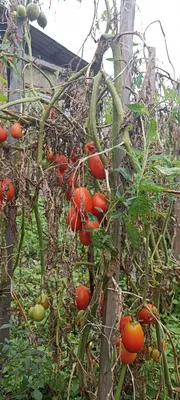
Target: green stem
(115,98)
(40,237)
(20,101)
(146,267)
(108,25)
(28,40)
(128,147)
(20,242)
(92,116)
(120,382)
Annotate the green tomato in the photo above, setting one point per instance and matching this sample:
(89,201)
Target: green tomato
(43,300)
(38,313)
(30,312)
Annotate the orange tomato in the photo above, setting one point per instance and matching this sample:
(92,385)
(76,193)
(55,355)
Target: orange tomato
(133,337)
(16,130)
(85,236)
(8,189)
(146,317)
(3,134)
(49,155)
(125,356)
(123,321)
(73,219)
(83,199)
(99,202)
(82,297)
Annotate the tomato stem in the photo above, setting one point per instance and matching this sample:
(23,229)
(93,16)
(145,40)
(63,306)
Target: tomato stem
(120,382)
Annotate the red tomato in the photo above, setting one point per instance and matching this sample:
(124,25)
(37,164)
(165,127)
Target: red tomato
(133,337)
(69,193)
(16,130)
(74,154)
(59,175)
(145,316)
(99,201)
(82,297)
(62,162)
(49,155)
(3,134)
(8,189)
(73,219)
(97,168)
(125,356)
(85,236)
(123,321)
(95,164)
(83,199)
(72,179)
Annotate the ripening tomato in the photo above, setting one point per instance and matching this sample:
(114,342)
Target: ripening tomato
(3,134)
(125,356)
(99,202)
(156,356)
(82,297)
(146,317)
(16,130)
(8,189)
(85,236)
(43,300)
(133,337)
(123,321)
(62,162)
(49,155)
(95,164)
(83,199)
(74,219)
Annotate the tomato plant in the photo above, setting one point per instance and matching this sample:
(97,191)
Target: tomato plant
(125,356)
(133,337)
(82,297)
(3,134)
(83,199)
(85,236)
(74,219)
(16,130)
(145,316)
(123,321)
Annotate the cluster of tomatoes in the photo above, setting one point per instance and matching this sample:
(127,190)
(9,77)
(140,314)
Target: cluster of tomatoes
(15,131)
(7,191)
(37,312)
(80,197)
(131,338)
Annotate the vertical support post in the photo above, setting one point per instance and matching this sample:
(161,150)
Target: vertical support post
(15,91)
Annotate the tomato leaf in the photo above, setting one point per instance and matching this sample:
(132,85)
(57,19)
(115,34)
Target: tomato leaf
(133,234)
(168,171)
(3,98)
(151,131)
(37,395)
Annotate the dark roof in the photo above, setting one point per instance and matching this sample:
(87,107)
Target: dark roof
(49,50)
(46,48)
